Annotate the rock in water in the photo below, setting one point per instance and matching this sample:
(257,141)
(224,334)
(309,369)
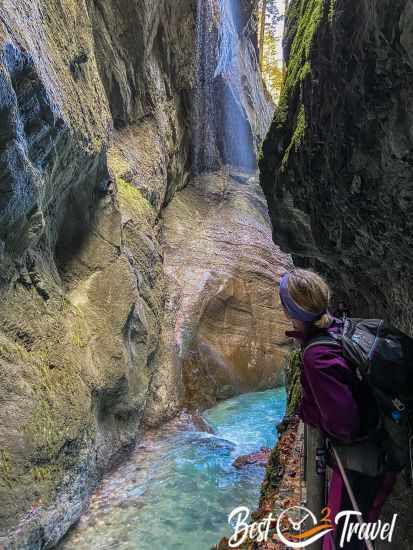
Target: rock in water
(260,458)
(201,424)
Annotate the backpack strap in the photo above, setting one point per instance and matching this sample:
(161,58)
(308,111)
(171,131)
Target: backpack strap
(327,339)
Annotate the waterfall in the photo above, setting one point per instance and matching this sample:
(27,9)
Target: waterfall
(231,111)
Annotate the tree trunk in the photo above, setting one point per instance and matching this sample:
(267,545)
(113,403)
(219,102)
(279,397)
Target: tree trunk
(262,31)
(285,22)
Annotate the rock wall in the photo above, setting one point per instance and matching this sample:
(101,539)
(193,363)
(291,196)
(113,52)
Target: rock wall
(231,108)
(337,163)
(223,270)
(94,140)
(96,101)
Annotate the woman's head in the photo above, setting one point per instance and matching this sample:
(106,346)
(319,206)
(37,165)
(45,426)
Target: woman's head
(305,296)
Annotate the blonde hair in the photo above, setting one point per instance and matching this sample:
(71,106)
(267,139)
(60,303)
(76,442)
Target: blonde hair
(310,291)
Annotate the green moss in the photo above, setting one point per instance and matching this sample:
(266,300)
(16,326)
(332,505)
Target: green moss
(11,351)
(132,200)
(272,475)
(5,468)
(45,473)
(44,370)
(298,135)
(45,430)
(42,429)
(118,163)
(68,307)
(303,17)
(79,334)
(294,390)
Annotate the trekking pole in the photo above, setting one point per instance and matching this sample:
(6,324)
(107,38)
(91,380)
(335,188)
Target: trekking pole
(350,492)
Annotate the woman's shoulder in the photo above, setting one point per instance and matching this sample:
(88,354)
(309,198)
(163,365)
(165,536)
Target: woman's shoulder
(325,352)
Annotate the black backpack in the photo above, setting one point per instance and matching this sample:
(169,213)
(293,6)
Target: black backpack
(382,358)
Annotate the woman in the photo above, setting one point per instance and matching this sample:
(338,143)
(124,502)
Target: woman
(333,399)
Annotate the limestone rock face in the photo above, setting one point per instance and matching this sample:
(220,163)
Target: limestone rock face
(231,110)
(337,164)
(223,270)
(93,141)
(100,334)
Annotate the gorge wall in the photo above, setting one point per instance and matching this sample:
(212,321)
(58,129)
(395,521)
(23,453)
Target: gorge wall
(94,140)
(337,165)
(223,268)
(97,104)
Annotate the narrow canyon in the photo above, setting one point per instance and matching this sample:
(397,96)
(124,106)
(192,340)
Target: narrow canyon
(151,195)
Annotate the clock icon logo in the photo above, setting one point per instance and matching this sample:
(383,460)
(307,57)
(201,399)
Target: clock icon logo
(297,527)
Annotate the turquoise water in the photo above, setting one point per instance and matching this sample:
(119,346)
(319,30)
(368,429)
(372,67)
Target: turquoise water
(178,487)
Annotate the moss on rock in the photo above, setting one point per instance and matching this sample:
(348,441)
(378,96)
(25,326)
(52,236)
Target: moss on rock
(294,385)
(303,18)
(298,135)
(6,468)
(131,200)
(332,10)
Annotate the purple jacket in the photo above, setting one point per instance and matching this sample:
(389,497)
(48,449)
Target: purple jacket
(327,401)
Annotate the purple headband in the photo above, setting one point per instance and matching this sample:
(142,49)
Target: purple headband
(292,307)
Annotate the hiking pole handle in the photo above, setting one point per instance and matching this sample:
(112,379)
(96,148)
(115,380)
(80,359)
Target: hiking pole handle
(350,492)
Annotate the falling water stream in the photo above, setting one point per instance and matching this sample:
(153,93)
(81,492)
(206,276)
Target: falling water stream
(178,487)
(229,99)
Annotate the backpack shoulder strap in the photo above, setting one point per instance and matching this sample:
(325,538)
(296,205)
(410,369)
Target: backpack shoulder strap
(327,339)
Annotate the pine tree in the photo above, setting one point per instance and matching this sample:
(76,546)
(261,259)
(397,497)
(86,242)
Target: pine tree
(263,18)
(269,45)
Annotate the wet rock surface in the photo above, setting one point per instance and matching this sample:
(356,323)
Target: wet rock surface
(260,458)
(223,270)
(94,143)
(337,163)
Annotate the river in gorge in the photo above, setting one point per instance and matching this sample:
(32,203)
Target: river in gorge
(179,485)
